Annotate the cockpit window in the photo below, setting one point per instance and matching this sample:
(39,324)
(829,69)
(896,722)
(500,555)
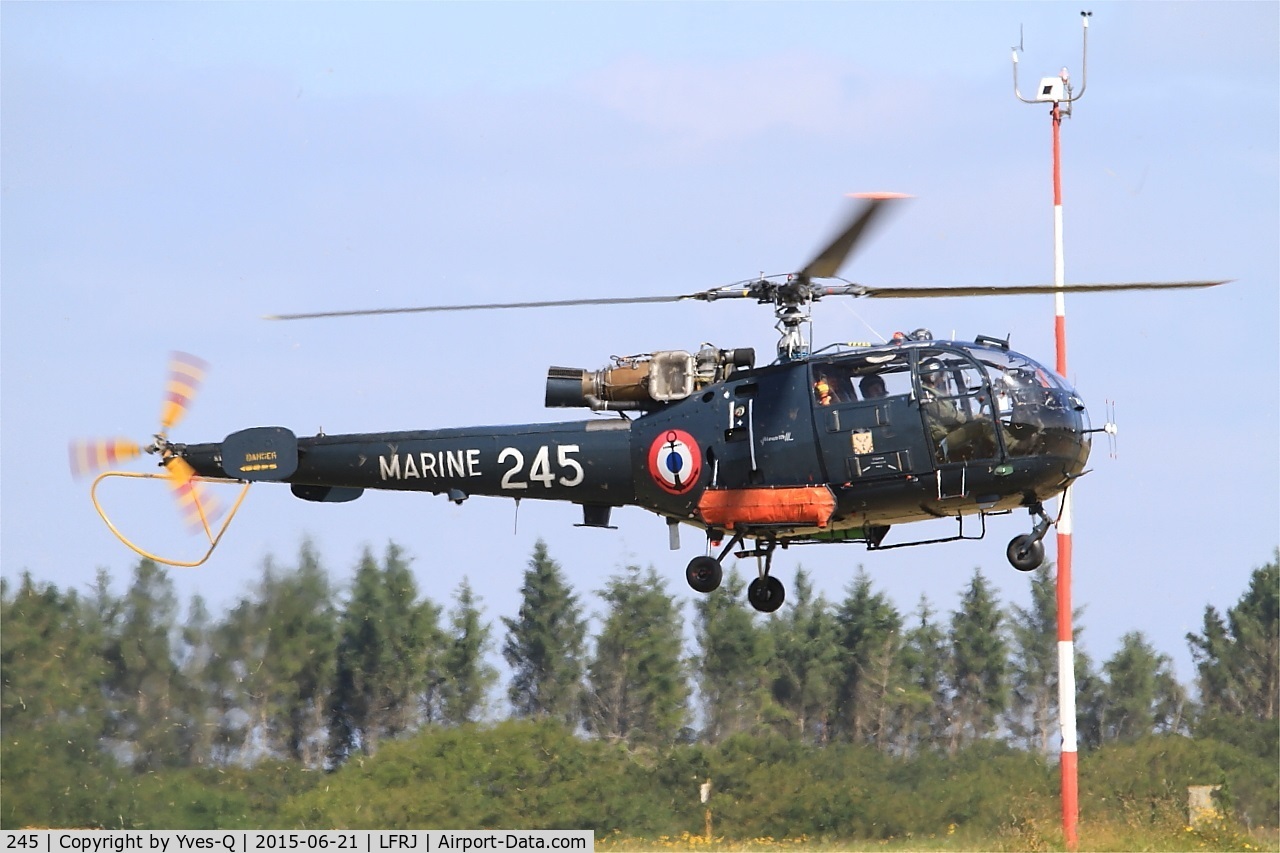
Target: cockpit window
(949,375)
(956,406)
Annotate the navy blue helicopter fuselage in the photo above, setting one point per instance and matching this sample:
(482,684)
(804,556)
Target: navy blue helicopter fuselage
(831,447)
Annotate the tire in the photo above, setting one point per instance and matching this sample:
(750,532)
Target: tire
(704,574)
(766,594)
(1025,554)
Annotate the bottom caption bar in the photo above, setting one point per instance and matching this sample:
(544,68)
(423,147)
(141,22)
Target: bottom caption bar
(255,840)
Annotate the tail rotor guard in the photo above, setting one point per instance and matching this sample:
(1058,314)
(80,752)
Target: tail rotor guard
(200,509)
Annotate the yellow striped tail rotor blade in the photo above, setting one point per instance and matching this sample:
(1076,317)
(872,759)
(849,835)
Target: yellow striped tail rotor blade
(95,454)
(199,509)
(186,372)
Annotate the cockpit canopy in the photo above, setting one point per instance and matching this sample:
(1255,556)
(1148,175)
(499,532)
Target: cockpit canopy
(964,391)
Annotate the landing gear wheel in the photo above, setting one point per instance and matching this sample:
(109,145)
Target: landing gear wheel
(704,574)
(766,594)
(1025,553)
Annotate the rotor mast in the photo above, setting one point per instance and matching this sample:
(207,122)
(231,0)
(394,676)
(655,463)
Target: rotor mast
(792,345)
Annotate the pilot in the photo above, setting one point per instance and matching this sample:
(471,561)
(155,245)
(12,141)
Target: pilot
(943,414)
(872,387)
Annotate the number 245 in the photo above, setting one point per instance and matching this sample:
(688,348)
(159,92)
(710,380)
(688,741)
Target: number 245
(540,469)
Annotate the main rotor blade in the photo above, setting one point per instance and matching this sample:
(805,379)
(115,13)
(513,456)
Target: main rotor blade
(485,306)
(1025,289)
(828,262)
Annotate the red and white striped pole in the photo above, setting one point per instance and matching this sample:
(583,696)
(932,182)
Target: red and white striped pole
(1066,638)
(1061,96)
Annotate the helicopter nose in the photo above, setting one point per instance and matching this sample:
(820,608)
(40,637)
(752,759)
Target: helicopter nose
(1081,432)
(1108,428)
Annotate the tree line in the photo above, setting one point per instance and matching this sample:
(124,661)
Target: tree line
(297,672)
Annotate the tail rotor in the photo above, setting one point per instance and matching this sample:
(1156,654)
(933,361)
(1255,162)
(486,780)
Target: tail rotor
(92,455)
(186,374)
(200,509)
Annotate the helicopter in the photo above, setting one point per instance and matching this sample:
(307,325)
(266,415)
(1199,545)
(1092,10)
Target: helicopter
(840,444)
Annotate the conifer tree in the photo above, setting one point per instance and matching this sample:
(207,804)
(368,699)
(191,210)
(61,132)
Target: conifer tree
(468,677)
(545,645)
(806,661)
(387,657)
(1033,675)
(50,663)
(275,661)
(239,681)
(637,683)
(1090,701)
(361,674)
(54,769)
(979,664)
(298,609)
(1141,695)
(205,700)
(732,662)
(1238,662)
(143,682)
(869,638)
(921,717)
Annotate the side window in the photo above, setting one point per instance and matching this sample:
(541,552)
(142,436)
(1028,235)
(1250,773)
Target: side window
(831,385)
(883,376)
(866,378)
(948,376)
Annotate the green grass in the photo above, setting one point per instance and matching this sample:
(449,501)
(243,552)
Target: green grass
(1170,834)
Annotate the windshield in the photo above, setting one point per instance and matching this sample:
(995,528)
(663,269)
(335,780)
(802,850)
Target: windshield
(1038,411)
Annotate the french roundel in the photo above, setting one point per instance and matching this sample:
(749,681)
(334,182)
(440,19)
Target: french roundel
(675,463)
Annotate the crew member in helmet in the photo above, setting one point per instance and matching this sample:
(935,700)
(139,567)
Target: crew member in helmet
(822,390)
(872,387)
(943,416)
(832,384)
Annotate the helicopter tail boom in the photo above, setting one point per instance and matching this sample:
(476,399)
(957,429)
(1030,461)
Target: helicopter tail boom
(583,462)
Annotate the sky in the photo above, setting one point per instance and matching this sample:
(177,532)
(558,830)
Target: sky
(173,172)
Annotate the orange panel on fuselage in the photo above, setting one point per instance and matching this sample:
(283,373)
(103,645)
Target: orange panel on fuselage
(763,505)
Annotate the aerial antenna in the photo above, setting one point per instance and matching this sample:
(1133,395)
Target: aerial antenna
(863,321)
(1057,90)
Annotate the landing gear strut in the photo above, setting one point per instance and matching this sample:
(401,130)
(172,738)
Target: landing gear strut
(705,573)
(765,592)
(1026,552)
